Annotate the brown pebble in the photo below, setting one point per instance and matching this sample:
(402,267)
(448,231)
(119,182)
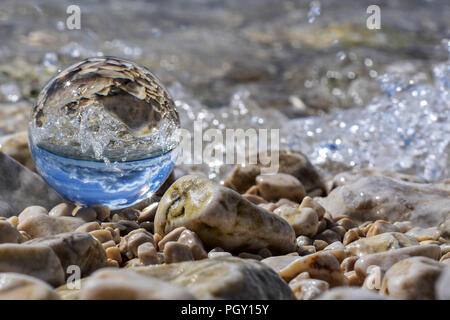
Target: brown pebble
(246,255)
(177,252)
(113,253)
(148,213)
(320,244)
(108,244)
(30,212)
(346,223)
(148,225)
(350,236)
(62,210)
(349,263)
(171,236)
(147,254)
(103,212)
(129,214)
(84,213)
(194,243)
(88,227)
(254,198)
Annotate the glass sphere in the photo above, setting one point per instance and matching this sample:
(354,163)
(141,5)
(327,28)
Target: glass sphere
(104,131)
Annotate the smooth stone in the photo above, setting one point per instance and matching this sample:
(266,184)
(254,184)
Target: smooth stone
(194,243)
(38,261)
(44,226)
(241,178)
(9,234)
(412,279)
(32,211)
(129,244)
(387,259)
(113,284)
(422,234)
(304,221)
(278,186)
(15,286)
(62,210)
(221,218)
(177,252)
(443,285)
(379,243)
(85,213)
(351,176)
(379,197)
(308,289)
(351,293)
(75,248)
(321,265)
(381,226)
(228,278)
(21,188)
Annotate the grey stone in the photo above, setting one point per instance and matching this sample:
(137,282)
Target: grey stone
(21,188)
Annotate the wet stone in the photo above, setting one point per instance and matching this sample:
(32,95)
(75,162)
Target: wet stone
(221,218)
(15,286)
(413,278)
(38,261)
(379,243)
(75,248)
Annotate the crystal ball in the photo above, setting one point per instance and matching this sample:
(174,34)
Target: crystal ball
(104,131)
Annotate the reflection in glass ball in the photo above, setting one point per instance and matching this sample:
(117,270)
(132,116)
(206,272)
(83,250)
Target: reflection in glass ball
(104,131)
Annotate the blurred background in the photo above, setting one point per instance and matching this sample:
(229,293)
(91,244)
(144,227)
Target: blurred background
(343,94)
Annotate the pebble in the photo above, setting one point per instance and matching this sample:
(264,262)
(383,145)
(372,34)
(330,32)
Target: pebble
(379,243)
(171,236)
(443,285)
(320,244)
(308,289)
(43,225)
(103,212)
(62,210)
(147,254)
(113,253)
(303,241)
(9,234)
(241,178)
(194,243)
(30,212)
(445,258)
(281,185)
(381,226)
(346,223)
(113,284)
(177,252)
(351,293)
(350,236)
(85,213)
(383,198)
(348,264)
(148,213)
(221,218)
(304,221)
(130,243)
(88,227)
(387,259)
(38,261)
(75,248)
(15,286)
(246,255)
(321,265)
(224,278)
(423,234)
(412,278)
(101,235)
(329,236)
